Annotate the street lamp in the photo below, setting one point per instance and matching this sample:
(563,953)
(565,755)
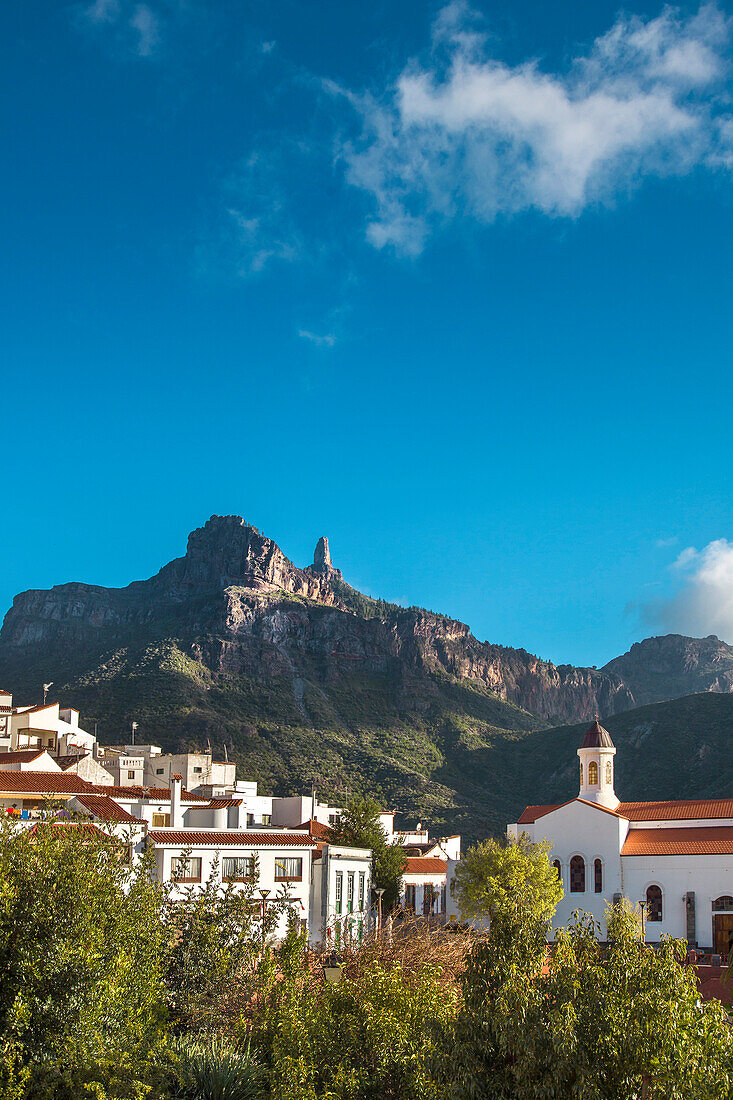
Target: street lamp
(264,894)
(642,909)
(379,892)
(333,968)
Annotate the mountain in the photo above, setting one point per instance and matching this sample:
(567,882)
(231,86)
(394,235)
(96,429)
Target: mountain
(304,679)
(665,668)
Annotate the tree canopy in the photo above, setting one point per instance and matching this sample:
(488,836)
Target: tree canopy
(507,878)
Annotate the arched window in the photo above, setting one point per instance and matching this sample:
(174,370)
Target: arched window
(723,904)
(592,774)
(653,903)
(598,876)
(577,875)
(581,775)
(558,868)
(609,773)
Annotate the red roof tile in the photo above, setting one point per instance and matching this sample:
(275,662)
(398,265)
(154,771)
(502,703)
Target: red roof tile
(221,803)
(317,829)
(20,757)
(710,840)
(533,812)
(43,783)
(106,808)
(426,865)
(691,810)
(226,840)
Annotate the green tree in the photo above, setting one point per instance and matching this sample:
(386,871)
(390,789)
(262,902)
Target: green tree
(591,1021)
(511,879)
(360,827)
(82,1001)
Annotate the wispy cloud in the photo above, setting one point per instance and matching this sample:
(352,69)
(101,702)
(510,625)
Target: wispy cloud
(703,603)
(137,24)
(321,340)
(463,134)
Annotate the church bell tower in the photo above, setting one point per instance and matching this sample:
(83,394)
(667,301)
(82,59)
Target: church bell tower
(596,755)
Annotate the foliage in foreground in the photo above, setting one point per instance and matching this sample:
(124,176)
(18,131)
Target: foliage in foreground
(215,1070)
(595,1021)
(510,878)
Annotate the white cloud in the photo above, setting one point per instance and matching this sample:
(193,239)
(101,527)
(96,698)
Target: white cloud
(145,23)
(325,340)
(462,134)
(704,603)
(131,24)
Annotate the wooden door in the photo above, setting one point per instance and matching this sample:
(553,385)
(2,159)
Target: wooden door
(723,934)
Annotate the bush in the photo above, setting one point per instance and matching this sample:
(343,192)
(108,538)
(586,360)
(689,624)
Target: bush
(213,1071)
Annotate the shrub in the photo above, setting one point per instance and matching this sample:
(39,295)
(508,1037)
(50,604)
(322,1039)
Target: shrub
(213,1071)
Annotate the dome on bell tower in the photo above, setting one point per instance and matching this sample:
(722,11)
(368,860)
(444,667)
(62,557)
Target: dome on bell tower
(596,737)
(596,754)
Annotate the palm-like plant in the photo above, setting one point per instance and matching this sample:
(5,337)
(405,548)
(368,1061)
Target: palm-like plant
(215,1071)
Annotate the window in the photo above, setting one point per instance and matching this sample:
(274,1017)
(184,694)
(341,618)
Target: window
(238,868)
(50,742)
(410,897)
(592,774)
(339,890)
(266,819)
(333,819)
(723,904)
(609,773)
(581,775)
(130,775)
(161,821)
(250,819)
(288,869)
(159,771)
(558,868)
(598,876)
(197,771)
(653,903)
(362,880)
(187,870)
(350,892)
(428,898)
(577,875)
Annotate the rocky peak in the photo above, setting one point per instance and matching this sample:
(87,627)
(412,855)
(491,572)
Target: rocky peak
(322,563)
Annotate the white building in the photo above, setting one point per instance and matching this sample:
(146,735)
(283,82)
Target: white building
(49,726)
(673,858)
(424,882)
(6,710)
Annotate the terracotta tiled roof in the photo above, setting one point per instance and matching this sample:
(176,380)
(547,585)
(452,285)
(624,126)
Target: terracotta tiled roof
(533,812)
(703,840)
(106,808)
(709,808)
(9,693)
(226,840)
(21,757)
(426,865)
(154,794)
(317,829)
(221,803)
(43,783)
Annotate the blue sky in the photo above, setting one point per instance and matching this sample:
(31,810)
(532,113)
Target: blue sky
(447,283)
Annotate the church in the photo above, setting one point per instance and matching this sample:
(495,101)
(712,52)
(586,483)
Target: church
(675,858)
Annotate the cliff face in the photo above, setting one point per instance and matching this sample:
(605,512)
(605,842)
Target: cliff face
(240,607)
(668,667)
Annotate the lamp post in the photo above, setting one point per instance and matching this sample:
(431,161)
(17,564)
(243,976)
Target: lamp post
(264,894)
(379,893)
(333,968)
(642,908)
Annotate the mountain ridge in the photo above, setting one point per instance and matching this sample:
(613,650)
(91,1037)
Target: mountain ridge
(305,679)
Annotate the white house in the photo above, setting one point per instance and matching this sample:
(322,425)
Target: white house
(49,726)
(340,910)
(424,882)
(6,710)
(675,859)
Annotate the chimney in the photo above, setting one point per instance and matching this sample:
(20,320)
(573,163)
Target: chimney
(176,808)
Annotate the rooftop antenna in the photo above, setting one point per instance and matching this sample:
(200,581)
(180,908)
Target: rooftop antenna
(45,691)
(133,728)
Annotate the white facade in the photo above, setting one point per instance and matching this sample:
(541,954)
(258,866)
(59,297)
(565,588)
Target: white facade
(672,859)
(340,910)
(51,727)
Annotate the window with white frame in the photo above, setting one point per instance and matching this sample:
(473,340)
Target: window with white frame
(350,892)
(362,881)
(339,890)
